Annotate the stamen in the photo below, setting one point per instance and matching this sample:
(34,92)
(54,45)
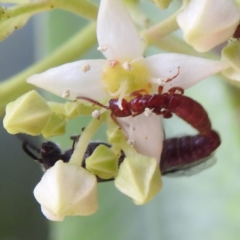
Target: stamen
(130,141)
(120,93)
(147,112)
(119,103)
(159,81)
(127,66)
(112,63)
(102,48)
(123,88)
(96,114)
(66,94)
(85,68)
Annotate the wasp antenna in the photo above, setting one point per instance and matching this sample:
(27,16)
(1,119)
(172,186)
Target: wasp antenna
(28,152)
(75,140)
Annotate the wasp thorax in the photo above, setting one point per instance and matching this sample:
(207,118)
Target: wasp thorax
(123,78)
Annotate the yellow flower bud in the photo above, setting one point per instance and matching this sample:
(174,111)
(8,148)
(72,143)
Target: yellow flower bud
(57,108)
(75,109)
(114,133)
(103,162)
(230,54)
(28,114)
(162,3)
(56,126)
(139,178)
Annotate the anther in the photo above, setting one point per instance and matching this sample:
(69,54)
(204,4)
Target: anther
(147,112)
(102,48)
(161,81)
(96,114)
(130,141)
(127,66)
(85,68)
(112,63)
(66,94)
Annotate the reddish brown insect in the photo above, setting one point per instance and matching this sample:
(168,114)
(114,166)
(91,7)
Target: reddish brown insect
(165,104)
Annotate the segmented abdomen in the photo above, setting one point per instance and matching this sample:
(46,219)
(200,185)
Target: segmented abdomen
(190,111)
(184,152)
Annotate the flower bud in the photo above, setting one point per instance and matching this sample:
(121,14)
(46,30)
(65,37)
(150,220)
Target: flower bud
(207,23)
(103,162)
(56,126)
(75,109)
(57,108)
(139,178)
(230,54)
(28,114)
(162,3)
(66,189)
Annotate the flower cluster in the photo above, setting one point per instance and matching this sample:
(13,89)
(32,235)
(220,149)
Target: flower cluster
(69,189)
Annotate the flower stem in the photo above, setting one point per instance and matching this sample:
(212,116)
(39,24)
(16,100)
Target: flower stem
(177,45)
(83,8)
(163,28)
(128,149)
(12,88)
(86,136)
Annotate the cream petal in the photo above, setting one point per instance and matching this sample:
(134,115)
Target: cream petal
(116,33)
(145,133)
(191,69)
(207,23)
(81,78)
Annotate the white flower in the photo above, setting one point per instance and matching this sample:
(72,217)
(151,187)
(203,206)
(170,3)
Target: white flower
(207,23)
(124,71)
(67,190)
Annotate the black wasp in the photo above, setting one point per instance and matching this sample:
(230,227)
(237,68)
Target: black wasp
(179,155)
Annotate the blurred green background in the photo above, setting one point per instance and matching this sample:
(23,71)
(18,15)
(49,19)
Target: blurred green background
(20,218)
(205,206)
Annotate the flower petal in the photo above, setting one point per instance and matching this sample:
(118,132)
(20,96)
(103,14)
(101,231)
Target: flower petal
(81,78)
(207,23)
(145,133)
(116,32)
(191,69)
